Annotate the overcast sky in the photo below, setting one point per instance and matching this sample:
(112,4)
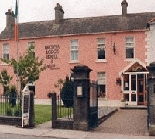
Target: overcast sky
(40,10)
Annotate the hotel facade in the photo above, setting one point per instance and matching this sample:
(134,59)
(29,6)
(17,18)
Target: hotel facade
(116,47)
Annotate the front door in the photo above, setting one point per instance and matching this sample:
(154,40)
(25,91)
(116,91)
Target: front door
(141,90)
(135,88)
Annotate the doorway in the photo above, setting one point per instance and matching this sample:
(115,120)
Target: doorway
(134,88)
(141,89)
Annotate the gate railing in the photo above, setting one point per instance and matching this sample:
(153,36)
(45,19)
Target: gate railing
(93,109)
(62,111)
(10,106)
(62,117)
(93,94)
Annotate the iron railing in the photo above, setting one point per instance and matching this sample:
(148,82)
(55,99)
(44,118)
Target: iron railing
(63,111)
(10,106)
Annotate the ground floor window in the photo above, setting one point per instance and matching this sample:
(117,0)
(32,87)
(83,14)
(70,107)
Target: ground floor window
(101,84)
(101,91)
(126,97)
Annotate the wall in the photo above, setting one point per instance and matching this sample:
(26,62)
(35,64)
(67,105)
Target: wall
(150,43)
(87,56)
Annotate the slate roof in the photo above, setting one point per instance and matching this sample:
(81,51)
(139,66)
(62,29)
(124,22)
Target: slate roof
(73,26)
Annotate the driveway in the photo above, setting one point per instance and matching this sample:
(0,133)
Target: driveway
(129,122)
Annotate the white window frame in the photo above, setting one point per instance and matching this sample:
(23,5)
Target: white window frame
(5,51)
(74,50)
(129,45)
(101,45)
(101,78)
(31,43)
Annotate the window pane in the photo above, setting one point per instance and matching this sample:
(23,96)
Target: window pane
(141,98)
(129,44)
(126,82)
(74,50)
(101,75)
(101,41)
(5,53)
(101,78)
(74,47)
(102,91)
(133,97)
(126,97)
(6,56)
(101,54)
(101,48)
(129,39)
(133,82)
(129,53)
(74,42)
(74,55)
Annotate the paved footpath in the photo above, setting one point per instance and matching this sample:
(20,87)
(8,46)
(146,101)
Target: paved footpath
(128,124)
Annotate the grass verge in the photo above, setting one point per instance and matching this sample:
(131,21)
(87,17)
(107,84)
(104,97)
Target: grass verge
(43,113)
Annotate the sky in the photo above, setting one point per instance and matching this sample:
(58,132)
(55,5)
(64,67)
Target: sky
(41,10)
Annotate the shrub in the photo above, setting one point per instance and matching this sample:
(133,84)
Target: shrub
(18,112)
(9,112)
(67,93)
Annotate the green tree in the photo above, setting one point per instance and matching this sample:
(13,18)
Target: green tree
(27,68)
(5,80)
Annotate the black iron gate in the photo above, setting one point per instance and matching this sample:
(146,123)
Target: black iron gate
(93,106)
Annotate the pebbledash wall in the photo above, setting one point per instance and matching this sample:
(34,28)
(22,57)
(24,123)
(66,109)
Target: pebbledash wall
(57,41)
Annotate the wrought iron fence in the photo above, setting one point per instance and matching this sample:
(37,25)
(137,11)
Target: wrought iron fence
(10,106)
(63,111)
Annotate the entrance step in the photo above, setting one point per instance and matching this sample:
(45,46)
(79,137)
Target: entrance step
(134,107)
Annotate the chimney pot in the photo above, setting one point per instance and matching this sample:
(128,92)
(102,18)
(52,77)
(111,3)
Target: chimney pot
(59,13)
(124,8)
(10,20)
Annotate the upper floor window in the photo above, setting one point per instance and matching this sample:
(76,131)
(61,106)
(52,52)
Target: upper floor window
(129,46)
(100,48)
(32,46)
(5,51)
(74,50)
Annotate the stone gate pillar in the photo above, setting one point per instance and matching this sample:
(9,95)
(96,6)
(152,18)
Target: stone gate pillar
(81,97)
(151,99)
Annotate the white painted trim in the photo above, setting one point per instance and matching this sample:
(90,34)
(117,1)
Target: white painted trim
(133,62)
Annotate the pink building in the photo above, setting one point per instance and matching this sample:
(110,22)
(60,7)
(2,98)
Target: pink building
(117,48)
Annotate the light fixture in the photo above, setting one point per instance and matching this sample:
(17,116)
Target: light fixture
(114,49)
(118,81)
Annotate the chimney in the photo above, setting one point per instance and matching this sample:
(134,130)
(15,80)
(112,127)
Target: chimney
(124,8)
(10,20)
(59,13)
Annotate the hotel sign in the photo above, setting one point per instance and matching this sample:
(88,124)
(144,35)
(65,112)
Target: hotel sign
(25,106)
(52,52)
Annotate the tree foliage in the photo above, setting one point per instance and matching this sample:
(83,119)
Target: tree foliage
(5,80)
(28,67)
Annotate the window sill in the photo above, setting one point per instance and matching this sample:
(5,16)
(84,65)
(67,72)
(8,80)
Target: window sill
(73,62)
(4,64)
(101,61)
(131,59)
